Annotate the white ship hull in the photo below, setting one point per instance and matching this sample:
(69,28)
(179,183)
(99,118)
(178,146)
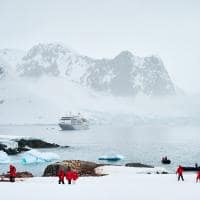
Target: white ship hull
(73,123)
(65,127)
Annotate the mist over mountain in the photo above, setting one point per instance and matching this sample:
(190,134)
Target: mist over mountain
(124,75)
(40,85)
(12,56)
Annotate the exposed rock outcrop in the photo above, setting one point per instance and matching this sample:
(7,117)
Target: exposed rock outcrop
(35,143)
(22,145)
(19,175)
(84,168)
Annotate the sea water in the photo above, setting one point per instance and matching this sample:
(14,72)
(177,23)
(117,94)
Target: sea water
(140,143)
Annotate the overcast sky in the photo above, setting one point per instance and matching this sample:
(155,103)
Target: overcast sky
(103,28)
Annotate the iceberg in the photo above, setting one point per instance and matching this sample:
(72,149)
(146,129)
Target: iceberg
(112,158)
(34,156)
(4,158)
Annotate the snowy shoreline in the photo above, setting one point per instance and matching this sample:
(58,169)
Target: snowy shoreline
(120,183)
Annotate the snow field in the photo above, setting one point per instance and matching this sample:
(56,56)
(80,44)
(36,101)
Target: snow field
(121,185)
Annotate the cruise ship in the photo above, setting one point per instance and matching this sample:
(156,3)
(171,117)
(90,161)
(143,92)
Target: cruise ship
(73,122)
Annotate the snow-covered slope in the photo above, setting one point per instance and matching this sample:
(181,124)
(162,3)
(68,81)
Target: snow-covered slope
(9,58)
(4,68)
(53,60)
(12,56)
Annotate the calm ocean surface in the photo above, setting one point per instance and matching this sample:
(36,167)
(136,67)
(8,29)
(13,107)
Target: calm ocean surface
(145,144)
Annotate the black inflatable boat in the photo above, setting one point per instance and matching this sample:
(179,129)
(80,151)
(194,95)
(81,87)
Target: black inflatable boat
(191,169)
(166,161)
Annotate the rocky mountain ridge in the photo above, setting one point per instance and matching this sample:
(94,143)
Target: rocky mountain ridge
(124,75)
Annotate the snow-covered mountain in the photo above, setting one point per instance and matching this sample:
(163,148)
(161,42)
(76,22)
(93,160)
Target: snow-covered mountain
(42,84)
(127,74)
(123,75)
(9,58)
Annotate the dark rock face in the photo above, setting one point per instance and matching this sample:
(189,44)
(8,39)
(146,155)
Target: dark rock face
(1,71)
(26,145)
(138,165)
(2,146)
(35,143)
(164,172)
(83,168)
(128,75)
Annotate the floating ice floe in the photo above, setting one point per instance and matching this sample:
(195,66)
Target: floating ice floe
(4,158)
(34,156)
(112,158)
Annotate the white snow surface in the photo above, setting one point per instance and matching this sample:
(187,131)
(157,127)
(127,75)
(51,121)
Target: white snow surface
(126,184)
(122,170)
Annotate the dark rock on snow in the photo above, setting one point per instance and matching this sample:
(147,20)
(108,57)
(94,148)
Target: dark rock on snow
(83,168)
(138,165)
(19,175)
(24,175)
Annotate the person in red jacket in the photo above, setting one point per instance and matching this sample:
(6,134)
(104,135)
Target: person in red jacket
(61,176)
(74,176)
(179,171)
(12,173)
(198,176)
(69,175)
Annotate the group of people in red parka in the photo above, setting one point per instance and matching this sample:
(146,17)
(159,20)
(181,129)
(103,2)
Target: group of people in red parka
(71,175)
(179,172)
